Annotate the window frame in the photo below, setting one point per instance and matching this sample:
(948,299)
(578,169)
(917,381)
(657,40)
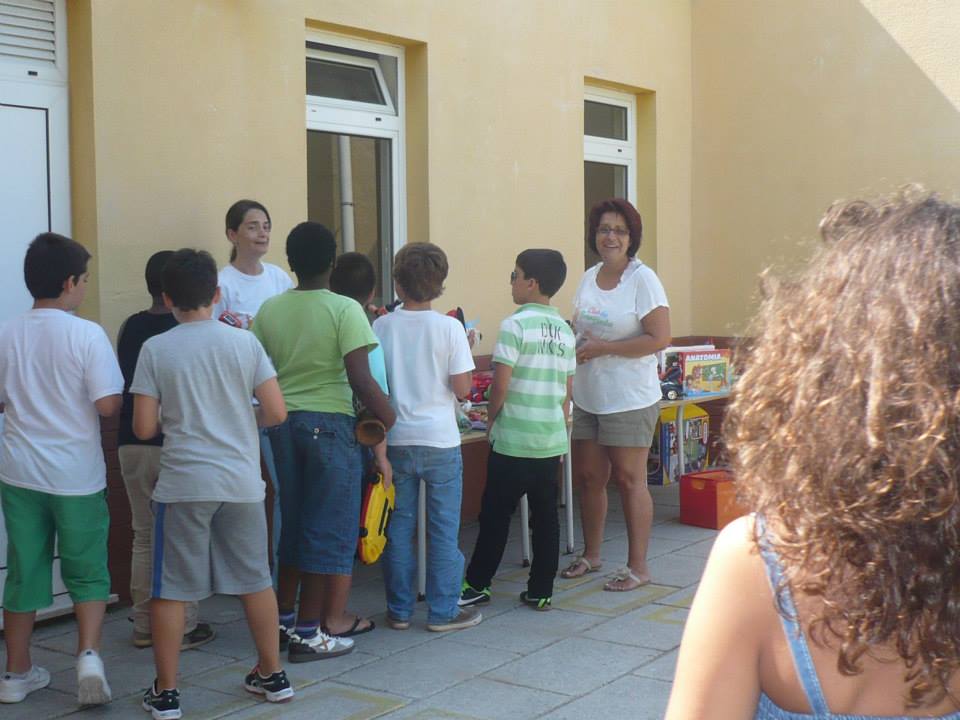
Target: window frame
(608,150)
(346,117)
(387,107)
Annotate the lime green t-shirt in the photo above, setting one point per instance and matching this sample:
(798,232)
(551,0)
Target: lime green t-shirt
(306,333)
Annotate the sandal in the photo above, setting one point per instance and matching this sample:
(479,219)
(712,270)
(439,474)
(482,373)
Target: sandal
(621,576)
(579,567)
(355,629)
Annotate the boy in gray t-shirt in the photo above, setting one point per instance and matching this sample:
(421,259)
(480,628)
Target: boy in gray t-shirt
(210,531)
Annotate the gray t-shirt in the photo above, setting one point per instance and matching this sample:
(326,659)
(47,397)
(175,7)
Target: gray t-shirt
(203,373)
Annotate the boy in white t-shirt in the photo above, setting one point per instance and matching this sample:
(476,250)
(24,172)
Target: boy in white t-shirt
(428,367)
(58,376)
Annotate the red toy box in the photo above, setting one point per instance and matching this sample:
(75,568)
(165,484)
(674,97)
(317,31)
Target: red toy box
(708,499)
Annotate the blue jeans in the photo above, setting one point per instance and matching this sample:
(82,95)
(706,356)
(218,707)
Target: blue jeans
(319,467)
(441,469)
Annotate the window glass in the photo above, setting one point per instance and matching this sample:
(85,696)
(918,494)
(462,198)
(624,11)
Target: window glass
(603,120)
(343,81)
(600,181)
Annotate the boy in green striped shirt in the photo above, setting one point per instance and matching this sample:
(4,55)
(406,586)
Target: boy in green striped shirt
(535,360)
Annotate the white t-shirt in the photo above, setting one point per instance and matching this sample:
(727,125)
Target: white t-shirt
(612,383)
(243,294)
(53,367)
(423,349)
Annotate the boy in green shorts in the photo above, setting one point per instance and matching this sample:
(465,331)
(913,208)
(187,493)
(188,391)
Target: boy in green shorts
(535,360)
(58,376)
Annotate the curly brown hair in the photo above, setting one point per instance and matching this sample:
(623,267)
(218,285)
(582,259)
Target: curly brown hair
(420,268)
(844,431)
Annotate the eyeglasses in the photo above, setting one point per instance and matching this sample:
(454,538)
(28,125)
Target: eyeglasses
(618,231)
(513,276)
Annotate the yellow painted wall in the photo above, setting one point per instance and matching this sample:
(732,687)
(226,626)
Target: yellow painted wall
(797,104)
(196,103)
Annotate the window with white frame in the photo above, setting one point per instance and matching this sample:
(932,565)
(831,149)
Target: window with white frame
(609,151)
(355,140)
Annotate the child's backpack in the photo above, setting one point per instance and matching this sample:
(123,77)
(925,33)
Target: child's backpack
(378,504)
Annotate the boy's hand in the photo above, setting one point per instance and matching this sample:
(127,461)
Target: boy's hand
(386,470)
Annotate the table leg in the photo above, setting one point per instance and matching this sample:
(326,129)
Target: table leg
(568,493)
(678,470)
(422,542)
(525,530)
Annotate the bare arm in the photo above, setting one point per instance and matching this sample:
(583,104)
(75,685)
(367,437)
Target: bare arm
(383,464)
(146,416)
(109,405)
(655,337)
(498,392)
(718,673)
(566,401)
(366,388)
(460,384)
(272,409)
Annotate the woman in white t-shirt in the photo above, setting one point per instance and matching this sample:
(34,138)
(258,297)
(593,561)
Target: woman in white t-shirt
(248,281)
(621,318)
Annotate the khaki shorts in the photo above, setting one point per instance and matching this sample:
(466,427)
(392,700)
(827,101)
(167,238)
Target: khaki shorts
(632,428)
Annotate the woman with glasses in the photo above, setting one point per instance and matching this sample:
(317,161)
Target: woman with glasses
(621,318)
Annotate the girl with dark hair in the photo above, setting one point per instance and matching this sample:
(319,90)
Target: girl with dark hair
(248,281)
(840,597)
(621,318)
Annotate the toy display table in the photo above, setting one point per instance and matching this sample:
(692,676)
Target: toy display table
(680,404)
(478,436)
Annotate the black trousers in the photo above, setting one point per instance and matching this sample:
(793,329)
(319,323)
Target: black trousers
(508,479)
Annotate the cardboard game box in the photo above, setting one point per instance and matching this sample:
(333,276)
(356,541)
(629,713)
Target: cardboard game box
(663,464)
(705,371)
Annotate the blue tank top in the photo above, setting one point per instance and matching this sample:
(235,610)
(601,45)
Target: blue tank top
(769,710)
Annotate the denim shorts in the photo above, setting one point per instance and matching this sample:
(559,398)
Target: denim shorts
(319,469)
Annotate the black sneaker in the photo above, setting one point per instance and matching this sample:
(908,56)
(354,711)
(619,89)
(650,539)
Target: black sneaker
(164,705)
(542,603)
(276,688)
(469,596)
(200,635)
(287,634)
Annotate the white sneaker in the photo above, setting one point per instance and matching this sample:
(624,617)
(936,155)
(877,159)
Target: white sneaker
(320,647)
(14,688)
(92,687)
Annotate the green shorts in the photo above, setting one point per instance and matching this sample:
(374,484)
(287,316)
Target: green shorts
(80,525)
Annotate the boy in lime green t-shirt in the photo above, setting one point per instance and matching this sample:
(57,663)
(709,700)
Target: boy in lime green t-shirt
(535,359)
(318,342)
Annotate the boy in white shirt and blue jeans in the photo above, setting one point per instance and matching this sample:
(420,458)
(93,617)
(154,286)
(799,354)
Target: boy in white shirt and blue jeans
(429,366)
(58,376)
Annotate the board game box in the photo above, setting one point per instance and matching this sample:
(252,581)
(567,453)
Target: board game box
(705,371)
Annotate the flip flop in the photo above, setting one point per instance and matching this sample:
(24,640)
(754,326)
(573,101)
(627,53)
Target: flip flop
(573,569)
(623,575)
(355,629)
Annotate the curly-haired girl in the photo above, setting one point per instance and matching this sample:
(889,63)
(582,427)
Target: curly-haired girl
(845,439)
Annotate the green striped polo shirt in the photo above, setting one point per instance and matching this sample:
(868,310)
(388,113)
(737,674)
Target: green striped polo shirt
(539,345)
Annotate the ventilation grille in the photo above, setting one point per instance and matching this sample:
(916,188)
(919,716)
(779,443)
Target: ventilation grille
(27,31)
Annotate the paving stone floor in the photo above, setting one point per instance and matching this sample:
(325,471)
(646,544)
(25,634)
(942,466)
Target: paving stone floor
(596,655)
